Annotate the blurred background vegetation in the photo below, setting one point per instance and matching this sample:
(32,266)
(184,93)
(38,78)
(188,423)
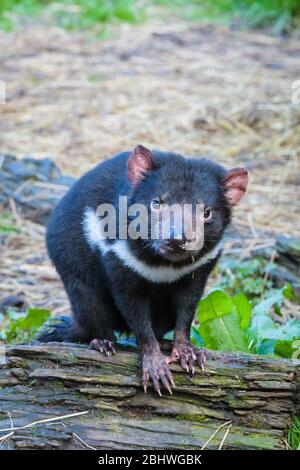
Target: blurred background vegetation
(231,96)
(282,16)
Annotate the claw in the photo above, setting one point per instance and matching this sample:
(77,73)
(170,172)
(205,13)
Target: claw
(156,384)
(170,378)
(183,363)
(145,381)
(201,360)
(165,382)
(155,367)
(187,356)
(104,346)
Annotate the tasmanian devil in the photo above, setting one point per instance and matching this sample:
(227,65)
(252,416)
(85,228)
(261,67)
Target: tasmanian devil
(145,285)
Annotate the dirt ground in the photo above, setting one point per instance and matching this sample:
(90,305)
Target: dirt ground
(197,90)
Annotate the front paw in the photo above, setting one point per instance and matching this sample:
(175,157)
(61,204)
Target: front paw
(155,367)
(188,356)
(104,346)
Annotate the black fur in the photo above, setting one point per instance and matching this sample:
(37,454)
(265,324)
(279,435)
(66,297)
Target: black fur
(105,295)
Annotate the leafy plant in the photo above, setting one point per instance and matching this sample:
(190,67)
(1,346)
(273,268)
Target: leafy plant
(294,435)
(228,323)
(71,14)
(281,15)
(91,12)
(249,277)
(264,332)
(23,327)
(6,224)
(9,9)
(223,321)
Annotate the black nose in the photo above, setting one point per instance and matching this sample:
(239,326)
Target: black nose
(176,244)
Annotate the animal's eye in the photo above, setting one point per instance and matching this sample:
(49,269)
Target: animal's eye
(155,204)
(207,214)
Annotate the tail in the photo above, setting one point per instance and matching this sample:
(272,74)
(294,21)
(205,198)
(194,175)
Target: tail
(62,329)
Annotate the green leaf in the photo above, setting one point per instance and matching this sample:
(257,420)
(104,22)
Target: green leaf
(224,334)
(244,309)
(294,434)
(288,331)
(288,348)
(216,304)
(276,298)
(266,347)
(35,318)
(288,292)
(6,224)
(220,322)
(263,329)
(23,327)
(196,338)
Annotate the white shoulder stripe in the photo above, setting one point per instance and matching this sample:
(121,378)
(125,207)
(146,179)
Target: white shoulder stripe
(92,231)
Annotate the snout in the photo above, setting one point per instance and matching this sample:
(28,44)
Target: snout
(177,249)
(181,240)
(176,244)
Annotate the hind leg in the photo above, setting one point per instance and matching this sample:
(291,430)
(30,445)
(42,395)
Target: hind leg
(95,314)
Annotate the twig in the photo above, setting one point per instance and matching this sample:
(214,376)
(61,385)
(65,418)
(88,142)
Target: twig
(225,436)
(14,211)
(83,442)
(213,435)
(41,421)
(288,447)
(10,419)
(267,273)
(3,438)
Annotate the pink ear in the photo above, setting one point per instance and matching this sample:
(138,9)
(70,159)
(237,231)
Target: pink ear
(139,163)
(235,184)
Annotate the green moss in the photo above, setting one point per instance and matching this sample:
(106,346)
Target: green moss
(106,406)
(67,359)
(58,386)
(180,380)
(193,417)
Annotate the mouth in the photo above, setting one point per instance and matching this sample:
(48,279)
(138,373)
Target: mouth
(176,255)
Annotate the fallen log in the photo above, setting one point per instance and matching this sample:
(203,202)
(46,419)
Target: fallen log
(65,396)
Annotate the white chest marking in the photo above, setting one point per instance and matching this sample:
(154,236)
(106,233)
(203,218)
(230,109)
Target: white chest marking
(93,230)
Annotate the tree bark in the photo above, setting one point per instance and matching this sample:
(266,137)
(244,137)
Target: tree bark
(252,398)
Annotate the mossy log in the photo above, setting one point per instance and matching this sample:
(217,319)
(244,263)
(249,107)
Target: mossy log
(252,398)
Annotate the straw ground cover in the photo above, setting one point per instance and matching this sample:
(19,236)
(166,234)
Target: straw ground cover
(195,89)
(198,90)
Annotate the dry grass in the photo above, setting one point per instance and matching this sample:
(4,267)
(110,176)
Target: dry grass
(198,90)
